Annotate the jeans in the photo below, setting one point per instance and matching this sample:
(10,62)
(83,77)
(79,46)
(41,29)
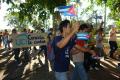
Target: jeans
(26,54)
(113,47)
(87,61)
(6,43)
(100,52)
(61,75)
(16,52)
(79,72)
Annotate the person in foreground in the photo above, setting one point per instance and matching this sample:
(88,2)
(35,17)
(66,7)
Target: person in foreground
(63,44)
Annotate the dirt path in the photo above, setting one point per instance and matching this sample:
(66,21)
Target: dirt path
(39,69)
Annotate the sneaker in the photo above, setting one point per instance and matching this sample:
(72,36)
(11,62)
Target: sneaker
(20,64)
(106,58)
(96,68)
(91,68)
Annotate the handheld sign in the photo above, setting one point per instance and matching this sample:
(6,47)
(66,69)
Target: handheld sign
(27,40)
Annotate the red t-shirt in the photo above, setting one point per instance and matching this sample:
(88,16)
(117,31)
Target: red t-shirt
(80,43)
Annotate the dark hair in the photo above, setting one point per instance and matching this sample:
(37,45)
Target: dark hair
(24,30)
(42,30)
(63,24)
(14,30)
(51,29)
(100,30)
(6,30)
(50,34)
(32,31)
(83,26)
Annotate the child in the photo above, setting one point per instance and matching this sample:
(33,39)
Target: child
(78,58)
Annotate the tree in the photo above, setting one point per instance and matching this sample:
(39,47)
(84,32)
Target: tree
(13,19)
(30,9)
(114,6)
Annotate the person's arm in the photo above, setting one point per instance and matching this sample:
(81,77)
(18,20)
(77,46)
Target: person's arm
(66,39)
(91,44)
(84,50)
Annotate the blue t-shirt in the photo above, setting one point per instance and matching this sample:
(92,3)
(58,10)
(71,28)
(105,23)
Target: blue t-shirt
(62,56)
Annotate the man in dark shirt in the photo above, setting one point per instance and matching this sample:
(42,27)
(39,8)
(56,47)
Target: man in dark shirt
(63,45)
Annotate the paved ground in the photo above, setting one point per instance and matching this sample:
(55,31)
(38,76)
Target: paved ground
(39,69)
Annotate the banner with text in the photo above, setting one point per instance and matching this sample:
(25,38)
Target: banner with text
(27,40)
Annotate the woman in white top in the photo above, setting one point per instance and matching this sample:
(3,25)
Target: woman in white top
(112,41)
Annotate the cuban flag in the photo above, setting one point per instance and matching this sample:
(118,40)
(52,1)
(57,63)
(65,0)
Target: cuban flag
(83,36)
(67,10)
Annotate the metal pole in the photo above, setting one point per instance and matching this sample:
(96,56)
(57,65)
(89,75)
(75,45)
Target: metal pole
(77,2)
(105,1)
(96,18)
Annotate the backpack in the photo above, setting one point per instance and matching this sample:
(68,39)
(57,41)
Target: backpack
(50,50)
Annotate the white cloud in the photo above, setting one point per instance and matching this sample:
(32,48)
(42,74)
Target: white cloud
(3,22)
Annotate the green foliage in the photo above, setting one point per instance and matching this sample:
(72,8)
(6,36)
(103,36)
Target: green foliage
(14,21)
(8,1)
(31,10)
(114,6)
(118,24)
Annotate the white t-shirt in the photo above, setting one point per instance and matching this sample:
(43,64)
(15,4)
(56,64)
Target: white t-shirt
(113,37)
(78,57)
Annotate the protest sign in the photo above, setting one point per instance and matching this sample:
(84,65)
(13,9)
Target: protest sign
(27,40)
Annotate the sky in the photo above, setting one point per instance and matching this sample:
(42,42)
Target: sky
(3,12)
(3,22)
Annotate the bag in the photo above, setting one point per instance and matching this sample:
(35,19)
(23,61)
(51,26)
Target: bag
(50,50)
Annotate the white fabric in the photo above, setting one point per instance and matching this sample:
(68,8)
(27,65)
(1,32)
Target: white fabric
(78,57)
(113,37)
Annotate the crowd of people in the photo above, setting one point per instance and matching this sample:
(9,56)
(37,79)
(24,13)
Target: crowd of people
(85,53)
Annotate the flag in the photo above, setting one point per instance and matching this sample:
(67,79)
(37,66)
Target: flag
(67,10)
(98,17)
(83,36)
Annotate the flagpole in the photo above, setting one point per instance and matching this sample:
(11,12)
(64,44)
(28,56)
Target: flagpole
(105,1)
(0,4)
(77,3)
(77,13)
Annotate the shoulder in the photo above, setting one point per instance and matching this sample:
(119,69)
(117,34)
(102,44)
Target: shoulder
(58,37)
